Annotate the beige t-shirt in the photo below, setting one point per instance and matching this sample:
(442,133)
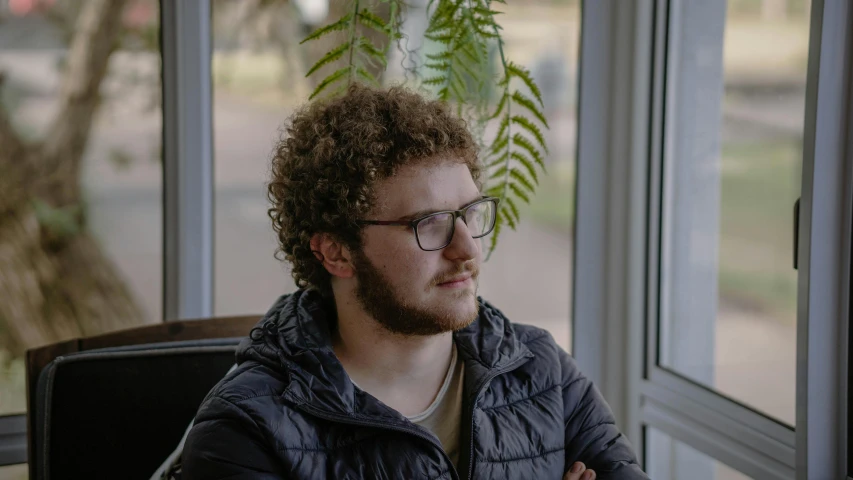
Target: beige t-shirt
(444,416)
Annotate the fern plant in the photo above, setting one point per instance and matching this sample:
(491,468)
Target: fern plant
(357,49)
(517,149)
(460,73)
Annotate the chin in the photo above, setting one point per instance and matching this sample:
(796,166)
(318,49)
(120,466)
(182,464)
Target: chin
(465,310)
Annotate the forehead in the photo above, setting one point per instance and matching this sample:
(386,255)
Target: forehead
(425,187)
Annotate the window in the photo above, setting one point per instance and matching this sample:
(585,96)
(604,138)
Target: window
(529,274)
(732,173)
(258,74)
(258,79)
(669,459)
(82,249)
(686,98)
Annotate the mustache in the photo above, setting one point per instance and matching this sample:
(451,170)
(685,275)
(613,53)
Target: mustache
(467,267)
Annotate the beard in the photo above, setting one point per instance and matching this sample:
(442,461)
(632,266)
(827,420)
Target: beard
(380,299)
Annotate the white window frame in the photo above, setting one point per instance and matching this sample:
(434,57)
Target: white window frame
(621,131)
(188,209)
(826,211)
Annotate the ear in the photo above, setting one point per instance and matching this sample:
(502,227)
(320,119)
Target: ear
(334,256)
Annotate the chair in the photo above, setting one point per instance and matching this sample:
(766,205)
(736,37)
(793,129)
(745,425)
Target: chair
(116,405)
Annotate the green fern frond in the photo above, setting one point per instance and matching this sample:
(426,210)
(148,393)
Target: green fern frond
(446,28)
(367,48)
(471,54)
(507,216)
(513,208)
(496,233)
(444,38)
(441,25)
(444,16)
(334,77)
(330,56)
(373,21)
(486,33)
(444,55)
(521,73)
(367,76)
(468,68)
(499,173)
(527,103)
(504,126)
(340,25)
(486,11)
(457,89)
(358,52)
(498,161)
(441,67)
(494,191)
(499,145)
(519,193)
(526,124)
(500,108)
(521,141)
(527,164)
(520,178)
(433,81)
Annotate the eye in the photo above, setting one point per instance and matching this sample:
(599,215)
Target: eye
(431,221)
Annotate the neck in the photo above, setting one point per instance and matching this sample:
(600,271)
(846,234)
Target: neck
(404,372)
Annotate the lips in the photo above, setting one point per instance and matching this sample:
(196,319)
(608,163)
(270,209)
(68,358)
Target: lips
(458,277)
(456,280)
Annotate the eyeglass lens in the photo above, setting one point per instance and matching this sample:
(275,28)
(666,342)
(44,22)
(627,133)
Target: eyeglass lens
(436,231)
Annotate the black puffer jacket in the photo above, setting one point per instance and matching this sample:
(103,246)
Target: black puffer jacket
(290,410)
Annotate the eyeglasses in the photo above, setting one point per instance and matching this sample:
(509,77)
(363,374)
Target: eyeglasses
(435,231)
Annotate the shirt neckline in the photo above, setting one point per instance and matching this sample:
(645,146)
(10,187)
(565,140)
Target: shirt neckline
(441,392)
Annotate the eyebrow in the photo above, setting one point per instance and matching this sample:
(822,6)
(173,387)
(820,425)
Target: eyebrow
(423,213)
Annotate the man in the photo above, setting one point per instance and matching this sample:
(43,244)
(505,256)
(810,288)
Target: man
(386,364)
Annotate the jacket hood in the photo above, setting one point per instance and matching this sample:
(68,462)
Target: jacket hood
(294,338)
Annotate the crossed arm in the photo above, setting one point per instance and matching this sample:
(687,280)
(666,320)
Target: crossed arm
(592,438)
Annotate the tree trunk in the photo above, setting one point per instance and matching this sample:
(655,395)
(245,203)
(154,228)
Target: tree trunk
(55,291)
(55,281)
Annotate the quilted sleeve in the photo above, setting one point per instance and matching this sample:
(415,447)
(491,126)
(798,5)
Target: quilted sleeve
(591,433)
(225,442)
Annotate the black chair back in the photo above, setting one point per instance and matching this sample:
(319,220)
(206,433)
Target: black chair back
(119,412)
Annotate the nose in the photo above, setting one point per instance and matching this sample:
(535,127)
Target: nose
(462,246)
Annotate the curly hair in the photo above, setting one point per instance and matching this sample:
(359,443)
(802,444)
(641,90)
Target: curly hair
(332,153)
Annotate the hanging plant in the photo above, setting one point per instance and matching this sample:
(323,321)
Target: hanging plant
(460,73)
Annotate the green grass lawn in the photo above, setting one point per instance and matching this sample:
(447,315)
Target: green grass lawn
(760,183)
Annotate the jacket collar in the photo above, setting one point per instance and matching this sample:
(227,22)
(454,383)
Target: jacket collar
(295,337)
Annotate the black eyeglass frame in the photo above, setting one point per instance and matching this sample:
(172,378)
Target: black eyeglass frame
(461,213)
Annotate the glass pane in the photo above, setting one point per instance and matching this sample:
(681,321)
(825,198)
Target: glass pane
(14,472)
(669,459)
(732,174)
(80,249)
(529,275)
(258,81)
